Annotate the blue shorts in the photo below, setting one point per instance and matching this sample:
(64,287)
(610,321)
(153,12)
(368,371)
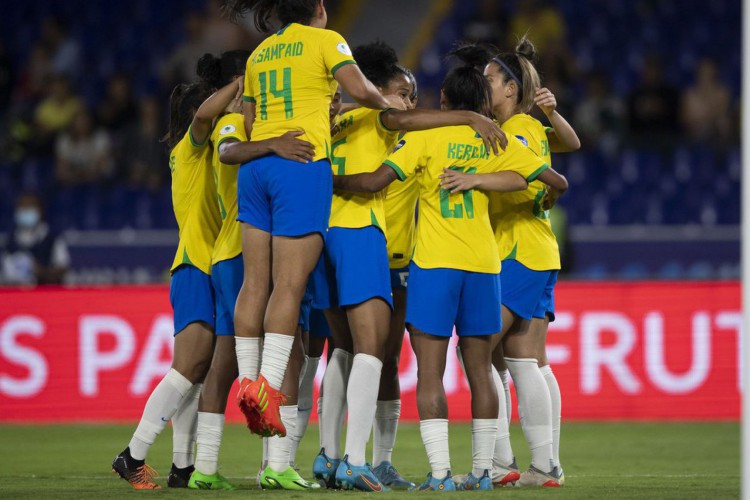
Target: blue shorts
(438,299)
(304,311)
(227,277)
(399,278)
(352,269)
(192,297)
(319,324)
(528,293)
(284,197)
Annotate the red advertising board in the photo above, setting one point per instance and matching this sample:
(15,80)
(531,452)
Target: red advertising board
(621,351)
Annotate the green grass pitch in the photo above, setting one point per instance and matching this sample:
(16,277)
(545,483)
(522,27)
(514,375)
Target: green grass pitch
(601,461)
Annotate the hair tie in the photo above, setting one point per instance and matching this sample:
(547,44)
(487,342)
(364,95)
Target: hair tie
(507,69)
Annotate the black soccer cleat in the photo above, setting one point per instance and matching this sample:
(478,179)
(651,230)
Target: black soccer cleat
(179,478)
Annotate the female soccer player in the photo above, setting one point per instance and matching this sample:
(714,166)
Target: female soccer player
(228,141)
(284,205)
(454,273)
(352,281)
(531,260)
(191,292)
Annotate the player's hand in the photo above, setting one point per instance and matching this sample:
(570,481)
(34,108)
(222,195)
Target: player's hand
(546,101)
(492,135)
(455,181)
(396,102)
(235,106)
(290,147)
(550,198)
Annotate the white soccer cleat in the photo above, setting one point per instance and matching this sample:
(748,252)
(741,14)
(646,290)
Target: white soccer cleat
(505,475)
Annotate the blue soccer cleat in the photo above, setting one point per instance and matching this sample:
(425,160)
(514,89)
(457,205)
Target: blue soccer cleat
(434,484)
(324,469)
(350,477)
(472,482)
(390,477)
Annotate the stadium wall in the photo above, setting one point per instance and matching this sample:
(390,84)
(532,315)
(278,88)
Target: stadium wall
(621,351)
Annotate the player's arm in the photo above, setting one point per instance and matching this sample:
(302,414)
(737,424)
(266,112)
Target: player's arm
(421,119)
(562,138)
(212,107)
(505,181)
(287,146)
(248,111)
(371,182)
(348,106)
(362,90)
(557,183)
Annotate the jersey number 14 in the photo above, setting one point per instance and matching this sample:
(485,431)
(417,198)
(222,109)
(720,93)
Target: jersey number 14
(269,83)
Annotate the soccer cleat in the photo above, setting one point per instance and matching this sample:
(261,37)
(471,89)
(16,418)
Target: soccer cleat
(324,469)
(472,482)
(390,477)
(199,481)
(178,478)
(350,477)
(434,484)
(535,477)
(562,476)
(505,475)
(136,472)
(259,403)
(287,480)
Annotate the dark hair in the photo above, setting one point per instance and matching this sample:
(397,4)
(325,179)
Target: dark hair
(412,80)
(185,100)
(219,71)
(466,87)
(519,66)
(286,11)
(379,62)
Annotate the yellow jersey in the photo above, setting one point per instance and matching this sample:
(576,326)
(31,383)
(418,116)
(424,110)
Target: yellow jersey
(360,144)
(400,221)
(290,79)
(522,228)
(195,203)
(229,242)
(454,230)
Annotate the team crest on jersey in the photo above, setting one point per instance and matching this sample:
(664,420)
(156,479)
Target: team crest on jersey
(400,145)
(344,49)
(227,129)
(523,140)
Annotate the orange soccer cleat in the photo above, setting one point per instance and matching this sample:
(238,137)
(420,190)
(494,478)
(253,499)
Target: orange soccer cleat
(136,472)
(259,403)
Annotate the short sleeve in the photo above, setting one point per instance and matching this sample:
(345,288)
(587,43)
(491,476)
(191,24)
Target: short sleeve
(336,52)
(229,127)
(408,155)
(248,94)
(195,146)
(520,159)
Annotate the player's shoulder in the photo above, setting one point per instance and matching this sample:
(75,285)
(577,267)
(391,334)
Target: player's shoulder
(228,125)
(525,127)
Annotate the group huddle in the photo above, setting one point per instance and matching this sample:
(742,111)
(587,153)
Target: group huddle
(305,222)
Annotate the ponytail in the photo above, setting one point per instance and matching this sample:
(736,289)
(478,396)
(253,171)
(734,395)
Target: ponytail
(286,11)
(519,67)
(466,87)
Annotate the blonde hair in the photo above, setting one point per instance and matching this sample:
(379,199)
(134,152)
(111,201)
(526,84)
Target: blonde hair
(519,67)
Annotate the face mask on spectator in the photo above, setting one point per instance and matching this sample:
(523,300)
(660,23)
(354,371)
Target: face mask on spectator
(27,217)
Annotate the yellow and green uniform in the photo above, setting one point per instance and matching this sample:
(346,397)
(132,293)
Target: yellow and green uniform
(230,127)
(360,144)
(454,230)
(400,208)
(289,77)
(522,228)
(195,203)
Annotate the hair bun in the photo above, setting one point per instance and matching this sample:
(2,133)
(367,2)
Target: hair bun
(209,69)
(526,49)
(377,55)
(473,54)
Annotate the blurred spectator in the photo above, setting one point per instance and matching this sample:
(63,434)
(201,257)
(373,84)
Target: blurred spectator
(57,110)
(118,110)
(543,23)
(653,108)
(66,52)
(37,74)
(180,67)
(34,255)
(143,158)
(488,24)
(6,79)
(83,154)
(598,118)
(705,110)
(224,35)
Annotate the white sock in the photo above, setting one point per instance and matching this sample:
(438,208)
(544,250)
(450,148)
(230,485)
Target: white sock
(483,432)
(160,407)
(184,427)
(361,399)
(279,447)
(503,452)
(535,410)
(333,407)
(264,453)
(276,351)
(556,399)
(248,351)
(304,403)
(384,430)
(435,438)
(320,416)
(505,377)
(210,430)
